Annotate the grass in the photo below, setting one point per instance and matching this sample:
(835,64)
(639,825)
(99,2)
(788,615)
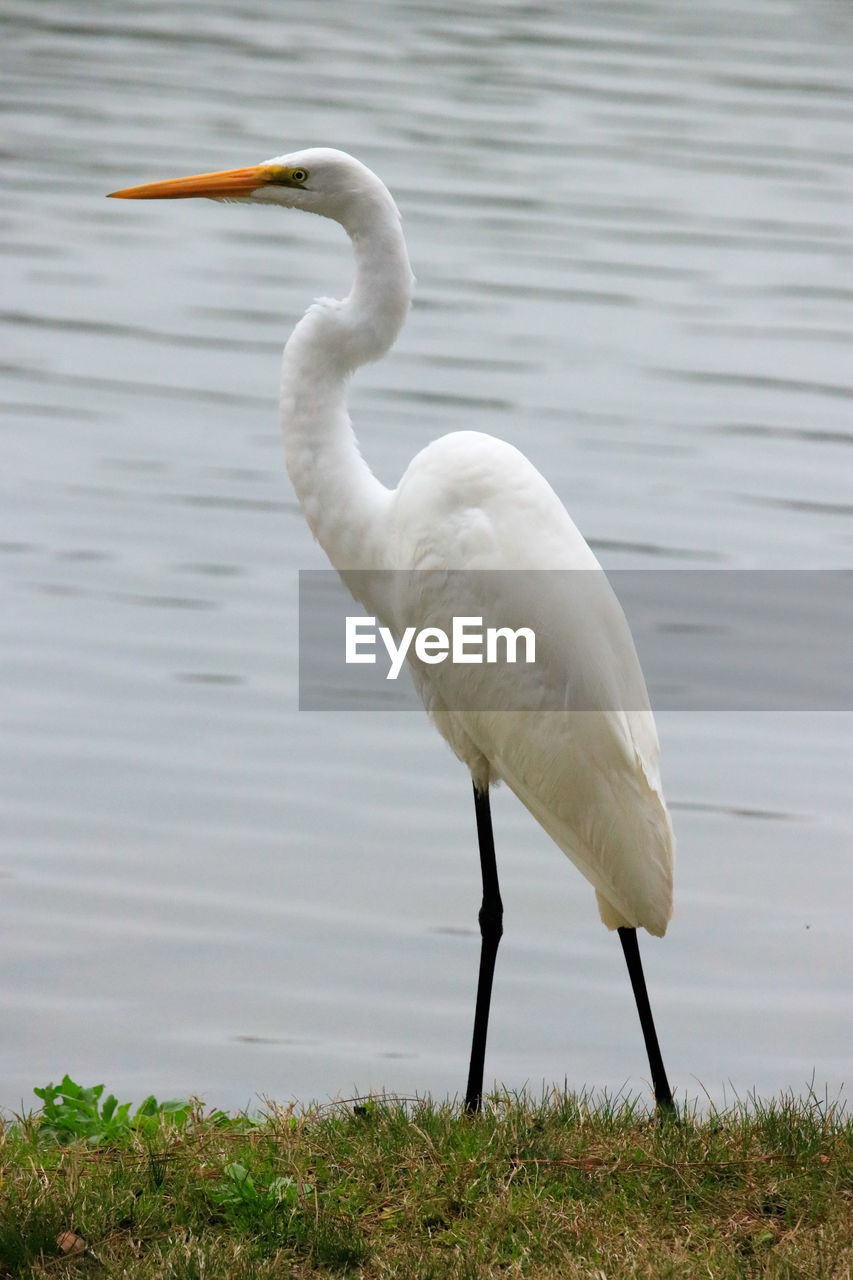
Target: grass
(565,1187)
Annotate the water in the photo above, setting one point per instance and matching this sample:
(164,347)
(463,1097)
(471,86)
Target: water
(631,230)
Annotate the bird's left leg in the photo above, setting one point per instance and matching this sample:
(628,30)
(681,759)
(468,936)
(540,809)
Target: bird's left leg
(631,950)
(491,929)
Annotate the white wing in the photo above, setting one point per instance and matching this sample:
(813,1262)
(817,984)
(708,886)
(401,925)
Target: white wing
(583,753)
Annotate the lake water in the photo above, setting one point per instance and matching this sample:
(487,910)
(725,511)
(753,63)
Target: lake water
(631,228)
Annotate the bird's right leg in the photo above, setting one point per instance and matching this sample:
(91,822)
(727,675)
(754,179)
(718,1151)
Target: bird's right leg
(491,929)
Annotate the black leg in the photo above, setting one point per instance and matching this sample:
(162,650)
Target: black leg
(491,928)
(663,1093)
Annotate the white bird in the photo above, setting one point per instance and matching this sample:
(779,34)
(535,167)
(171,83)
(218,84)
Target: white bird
(573,736)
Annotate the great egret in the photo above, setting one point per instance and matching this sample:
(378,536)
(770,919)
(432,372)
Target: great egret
(588,770)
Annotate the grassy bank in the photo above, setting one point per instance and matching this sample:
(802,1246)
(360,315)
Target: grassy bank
(562,1188)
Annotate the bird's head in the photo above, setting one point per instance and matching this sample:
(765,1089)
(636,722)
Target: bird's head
(318,180)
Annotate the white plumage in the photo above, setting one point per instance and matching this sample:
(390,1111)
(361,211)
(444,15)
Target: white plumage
(574,737)
(590,777)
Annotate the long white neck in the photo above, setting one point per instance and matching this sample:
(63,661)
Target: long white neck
(342,500)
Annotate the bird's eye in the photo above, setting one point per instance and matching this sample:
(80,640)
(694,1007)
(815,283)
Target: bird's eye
(299,175)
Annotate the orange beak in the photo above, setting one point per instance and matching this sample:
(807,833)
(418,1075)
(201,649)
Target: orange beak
(228,182)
